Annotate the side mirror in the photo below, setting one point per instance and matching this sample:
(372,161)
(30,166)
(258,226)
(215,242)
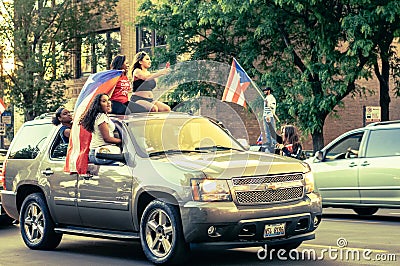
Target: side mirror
(244,143)
(319,155)
(110,152)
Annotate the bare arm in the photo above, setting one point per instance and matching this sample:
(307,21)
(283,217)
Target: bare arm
(103,127)
(145,75)
(66,132)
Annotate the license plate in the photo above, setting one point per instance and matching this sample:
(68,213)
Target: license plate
(274,230)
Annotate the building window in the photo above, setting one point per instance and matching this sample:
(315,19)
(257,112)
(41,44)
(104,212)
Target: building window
(147,39)
(97,51)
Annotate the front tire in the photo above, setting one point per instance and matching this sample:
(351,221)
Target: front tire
(37,227)
(161,234)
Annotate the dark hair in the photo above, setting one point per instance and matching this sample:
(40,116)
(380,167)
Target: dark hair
(291,135)
(88,118)
(118,61)
(138,57)
(267,89)
(55,119)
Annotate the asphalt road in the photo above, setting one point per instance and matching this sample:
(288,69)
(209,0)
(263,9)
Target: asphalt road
(343,238)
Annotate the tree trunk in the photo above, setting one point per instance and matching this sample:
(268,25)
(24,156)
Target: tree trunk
(318,140)
(384,97)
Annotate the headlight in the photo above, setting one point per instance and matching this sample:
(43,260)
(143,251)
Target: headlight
(210,190)
(309,178)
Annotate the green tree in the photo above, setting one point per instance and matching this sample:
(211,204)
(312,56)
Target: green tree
(375,25)
(307,51)
(44,36)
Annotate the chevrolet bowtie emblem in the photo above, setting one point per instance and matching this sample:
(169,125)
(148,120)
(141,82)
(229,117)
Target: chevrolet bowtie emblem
(271,186)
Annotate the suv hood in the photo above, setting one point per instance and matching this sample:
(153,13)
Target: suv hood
(227,164)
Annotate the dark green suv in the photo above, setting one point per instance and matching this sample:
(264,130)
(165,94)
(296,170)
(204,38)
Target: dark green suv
(177,179)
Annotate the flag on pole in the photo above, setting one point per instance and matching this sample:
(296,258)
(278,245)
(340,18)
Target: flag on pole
(237,83)
(79,140)
(260,140)
(2,106)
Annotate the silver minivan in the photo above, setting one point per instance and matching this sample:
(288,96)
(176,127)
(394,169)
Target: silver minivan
(360,169)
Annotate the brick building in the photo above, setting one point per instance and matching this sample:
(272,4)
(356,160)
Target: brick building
(133,39)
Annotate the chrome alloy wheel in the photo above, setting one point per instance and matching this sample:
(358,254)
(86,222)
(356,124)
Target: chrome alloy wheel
(160,234)
(34,223)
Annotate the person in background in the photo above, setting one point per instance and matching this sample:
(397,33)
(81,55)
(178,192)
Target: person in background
(96,121)
(63,117)
(269,120)
(289,143)
(144,83)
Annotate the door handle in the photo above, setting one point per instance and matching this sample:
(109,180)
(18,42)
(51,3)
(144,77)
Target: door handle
(366,163)
(353,164)
(47,172)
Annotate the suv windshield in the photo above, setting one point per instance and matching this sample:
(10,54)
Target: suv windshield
(181,134)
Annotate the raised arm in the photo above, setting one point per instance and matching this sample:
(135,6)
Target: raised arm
(145,75)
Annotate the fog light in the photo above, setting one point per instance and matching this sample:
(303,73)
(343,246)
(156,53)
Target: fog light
(213,232)
(317,220)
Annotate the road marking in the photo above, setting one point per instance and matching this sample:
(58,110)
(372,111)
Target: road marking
(349,221)
(360,249)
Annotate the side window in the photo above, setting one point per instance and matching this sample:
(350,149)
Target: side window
(384,142)
(339,150)
(29,141)
(58,148)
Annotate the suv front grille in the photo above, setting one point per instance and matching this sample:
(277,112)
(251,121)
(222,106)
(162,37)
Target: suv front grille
(265,179)
(268,189)
(269,196)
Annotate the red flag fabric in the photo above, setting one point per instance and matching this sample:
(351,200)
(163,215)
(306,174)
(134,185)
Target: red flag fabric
(79,140)
(237,83)
(2,106)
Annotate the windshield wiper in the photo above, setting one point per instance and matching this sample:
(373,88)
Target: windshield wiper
(216,148)
(156,153)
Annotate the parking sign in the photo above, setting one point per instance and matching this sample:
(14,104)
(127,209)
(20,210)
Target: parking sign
(2,129)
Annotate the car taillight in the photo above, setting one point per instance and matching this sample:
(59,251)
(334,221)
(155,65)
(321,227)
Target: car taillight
(3,176)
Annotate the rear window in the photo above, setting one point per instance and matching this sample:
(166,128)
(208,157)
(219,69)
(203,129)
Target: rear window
(384,142)
(29,141)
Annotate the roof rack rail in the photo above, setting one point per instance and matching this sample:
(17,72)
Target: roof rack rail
(383,123)
(45,115)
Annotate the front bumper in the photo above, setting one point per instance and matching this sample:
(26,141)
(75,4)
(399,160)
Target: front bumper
(246,224)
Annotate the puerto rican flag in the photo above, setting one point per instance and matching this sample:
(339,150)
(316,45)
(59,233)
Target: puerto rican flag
(237,83)
(79,140)
(259,140)
(2,106)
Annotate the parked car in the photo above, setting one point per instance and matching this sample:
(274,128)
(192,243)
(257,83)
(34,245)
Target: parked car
(360,169)
(177,179)
(4,218)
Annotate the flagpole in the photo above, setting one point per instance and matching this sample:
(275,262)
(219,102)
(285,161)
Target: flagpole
(199,100)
